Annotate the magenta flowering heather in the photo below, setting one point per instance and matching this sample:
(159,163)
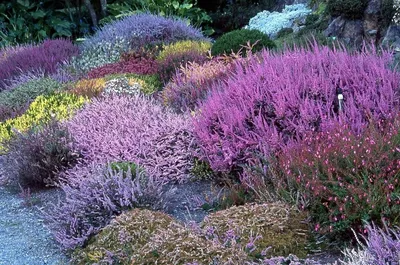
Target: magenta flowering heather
(275,98)
(44,57)
(138,129)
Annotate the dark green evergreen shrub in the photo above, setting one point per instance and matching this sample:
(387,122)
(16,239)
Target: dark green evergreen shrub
(284,32)
(347,8)
(235,40)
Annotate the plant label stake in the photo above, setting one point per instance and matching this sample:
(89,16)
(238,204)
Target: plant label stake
(340,98)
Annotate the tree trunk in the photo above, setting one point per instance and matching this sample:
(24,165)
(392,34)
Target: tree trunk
(92,12)
(103,6)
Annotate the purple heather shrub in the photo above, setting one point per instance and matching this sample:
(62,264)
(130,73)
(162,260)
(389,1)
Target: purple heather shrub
(192,83)
(44,57)
(276,98)
(93,196)
(24,78)
(135,128)
(383,246)
(144,29)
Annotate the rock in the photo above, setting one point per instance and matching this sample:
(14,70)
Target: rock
(372,17)
(392,37)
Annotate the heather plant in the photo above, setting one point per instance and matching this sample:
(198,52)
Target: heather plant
(88,87)
(276,98)
(234,41)
(129,63)
(146,84)
(93,196)
(138,129)
(377,247)
(346,177)
(99,54)
(60,106)
(24,78)
(192,83)
(24,94)
(279,229)
(143,29)
(169,65)
(44,57)
(123,237)
(201,47)
(35,158)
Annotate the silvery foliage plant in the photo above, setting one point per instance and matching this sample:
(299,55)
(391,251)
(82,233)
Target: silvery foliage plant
(271,23)
(121,86)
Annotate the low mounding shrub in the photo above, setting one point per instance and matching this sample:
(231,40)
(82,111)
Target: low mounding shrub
(133,32)
(44,57)
(88,87)
(143,29)
(123,237)
(147,237)
(192,83)
(346,177)
(379,247)
(276,98)
(21,96)
(36,157)
(279,228)
(169,65)
(135,63)
(93,196)
(136,128)
(60,106)
(201,47)
(237,39)
(348,8)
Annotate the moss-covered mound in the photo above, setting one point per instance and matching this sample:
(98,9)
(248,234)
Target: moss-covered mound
(275,226)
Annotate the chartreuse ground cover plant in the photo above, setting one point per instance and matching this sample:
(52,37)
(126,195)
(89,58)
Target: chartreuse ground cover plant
(60,106)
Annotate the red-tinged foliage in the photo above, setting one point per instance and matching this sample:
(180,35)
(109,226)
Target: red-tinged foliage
(134,63)
(346,177)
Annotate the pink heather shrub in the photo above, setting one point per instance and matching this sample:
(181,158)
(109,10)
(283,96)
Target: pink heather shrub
(275,98)
(138,129)
(43,57)
(93,196)
(193,82)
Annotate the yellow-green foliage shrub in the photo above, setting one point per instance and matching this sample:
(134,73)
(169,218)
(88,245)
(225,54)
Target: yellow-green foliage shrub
(145,237)
(124,236)
(61,106)
(184,47)
(278,227)
(88,87)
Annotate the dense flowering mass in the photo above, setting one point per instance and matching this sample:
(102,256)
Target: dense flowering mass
(44,57)
(279,97)
(135,128)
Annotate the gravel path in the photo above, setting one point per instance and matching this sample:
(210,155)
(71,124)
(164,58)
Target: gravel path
(24,240)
